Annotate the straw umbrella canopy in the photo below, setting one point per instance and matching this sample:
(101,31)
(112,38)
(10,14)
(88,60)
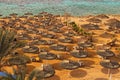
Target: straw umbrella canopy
(47,56)
(43,42)
(113,23)
(38,16)
(39,42)
(69,34)
(30,18)
(6,17)
(44,71)
(24,37)
(18,60)
(13,14)
(102,16)
(90,27)
(55,29)
(48,35)
(94,20)
(28,13)
(20,27)
(2,22)
(110,65)
(105,53)
(107,35)
(36,25)
(48,70)
(85,44)
(18,19)
(60,25)
(24,16)
(32,31)
(66,40)
(50,42)
(112,43)
(79,53)
(59,47)
(30,49)
(70,65)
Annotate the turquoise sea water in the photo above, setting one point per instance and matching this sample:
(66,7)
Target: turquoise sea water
(74,7)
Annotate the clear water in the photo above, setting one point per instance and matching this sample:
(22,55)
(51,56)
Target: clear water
(74,7)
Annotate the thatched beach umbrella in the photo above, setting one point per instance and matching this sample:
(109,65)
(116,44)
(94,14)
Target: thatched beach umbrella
(60,25)
(50,42)
(90,27)
(102,16)
(110,65)
(70,65)
(18,19)
(112,43)
(39,42)
(105,53)
(59,47)
(43,42)
(18,60)
(94,20)
(113,24)
(36,25)
(6,17)
(47,55)
(44,71)
(56,30)
(36,37)
(13,14)
(24,37)
(20,27)
(28,13)
(107,35)
(38,16)
(79,53)
(32,31)
(66,40)
(31,18)
(69,34)
(30,49)
(24,17)
(48,35)
(85,44)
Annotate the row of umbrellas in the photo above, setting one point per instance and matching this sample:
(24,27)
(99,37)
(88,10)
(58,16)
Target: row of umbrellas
(48,71)
(47,20)
(45,70)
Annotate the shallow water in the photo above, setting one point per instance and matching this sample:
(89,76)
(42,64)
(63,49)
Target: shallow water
(74,7)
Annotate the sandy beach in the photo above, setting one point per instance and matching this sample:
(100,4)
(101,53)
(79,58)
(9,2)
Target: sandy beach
(92,70)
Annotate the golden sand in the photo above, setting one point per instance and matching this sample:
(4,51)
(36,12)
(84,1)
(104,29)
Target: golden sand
(92,69)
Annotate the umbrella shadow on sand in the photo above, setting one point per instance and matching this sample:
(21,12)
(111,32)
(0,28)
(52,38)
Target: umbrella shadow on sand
(30,68)
(113,71)
(78,73)
(55,77)
(88,63)
(57,66)
(101,79)
(66,56)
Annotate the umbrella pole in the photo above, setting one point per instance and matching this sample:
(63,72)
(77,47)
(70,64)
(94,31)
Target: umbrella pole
(110,78)
(109,74)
